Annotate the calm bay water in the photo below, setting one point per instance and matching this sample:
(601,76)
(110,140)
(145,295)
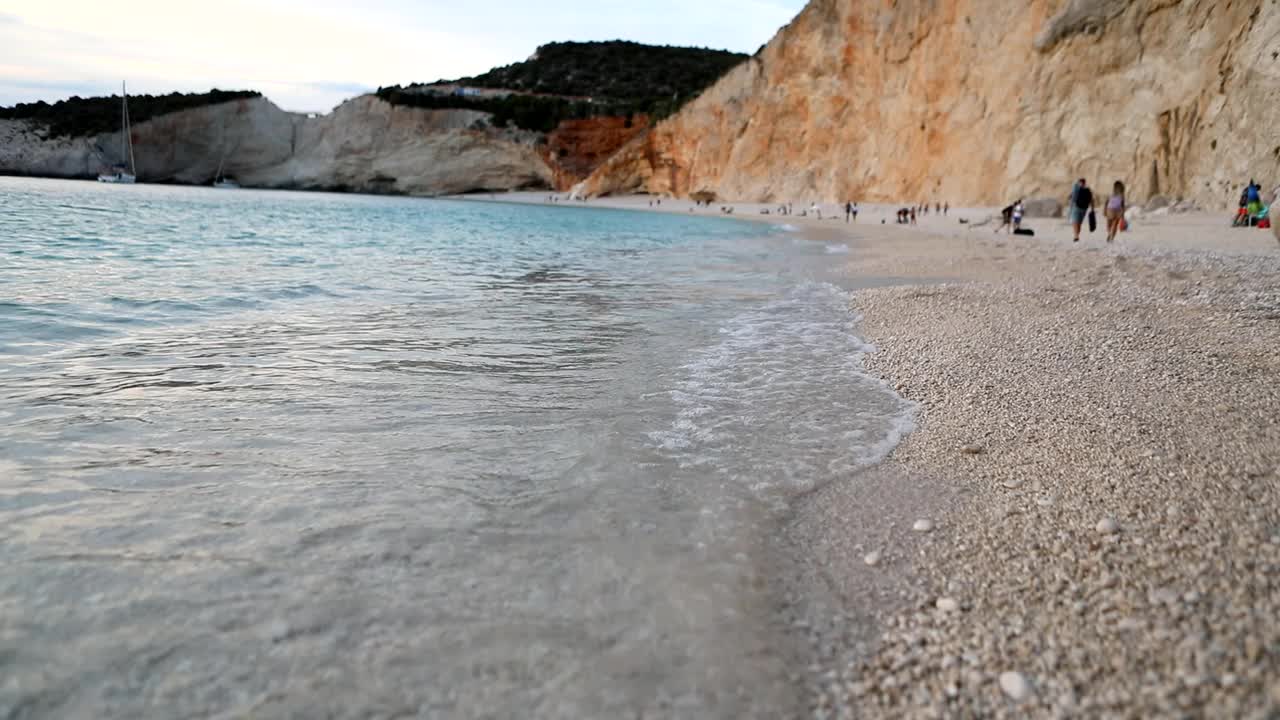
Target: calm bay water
(306,455)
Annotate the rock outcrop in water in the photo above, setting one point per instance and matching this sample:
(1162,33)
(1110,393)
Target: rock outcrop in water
(980,101)
(365,145)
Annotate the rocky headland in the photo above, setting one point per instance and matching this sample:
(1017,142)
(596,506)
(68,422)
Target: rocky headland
(979,101)
(365,145)
(545,123)
(969,102)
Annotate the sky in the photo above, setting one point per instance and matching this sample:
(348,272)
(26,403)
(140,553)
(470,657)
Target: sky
(310,55)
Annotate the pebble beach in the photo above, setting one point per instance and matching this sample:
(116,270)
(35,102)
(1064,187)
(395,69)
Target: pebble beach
(1086,520)
(1100,427)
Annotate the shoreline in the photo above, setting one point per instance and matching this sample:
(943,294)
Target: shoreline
(1098,451)
(1095,455)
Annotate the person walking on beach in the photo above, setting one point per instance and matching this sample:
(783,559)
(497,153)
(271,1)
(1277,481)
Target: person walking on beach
(1115,210)
(1017,215)
(1006,218)
(848,212)
(913,216)
(1081,204)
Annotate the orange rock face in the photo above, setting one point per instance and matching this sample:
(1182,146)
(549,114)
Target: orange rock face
(578,147)
(980,101)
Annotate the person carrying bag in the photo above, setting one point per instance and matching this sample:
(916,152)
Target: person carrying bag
(1081,205)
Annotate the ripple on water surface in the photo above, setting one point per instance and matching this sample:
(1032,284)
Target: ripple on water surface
(281,454)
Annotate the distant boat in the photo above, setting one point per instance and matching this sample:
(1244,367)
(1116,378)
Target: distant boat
(120,174)
(220,181)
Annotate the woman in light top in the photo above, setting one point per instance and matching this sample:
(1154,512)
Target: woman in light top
(1018,210)
(1115,210)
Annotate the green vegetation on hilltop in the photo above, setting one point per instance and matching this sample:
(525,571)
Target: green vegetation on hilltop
(615,70)
(80,117)
(539,113)
(577,80)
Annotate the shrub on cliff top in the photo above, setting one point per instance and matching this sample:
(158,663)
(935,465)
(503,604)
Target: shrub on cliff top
(79,117)
(539,113)
(578,80)
(616,70)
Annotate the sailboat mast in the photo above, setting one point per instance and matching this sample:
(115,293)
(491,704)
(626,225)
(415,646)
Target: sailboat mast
(124,123)
(128,134)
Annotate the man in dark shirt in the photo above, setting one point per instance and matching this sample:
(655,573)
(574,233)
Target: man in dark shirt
(1081,204)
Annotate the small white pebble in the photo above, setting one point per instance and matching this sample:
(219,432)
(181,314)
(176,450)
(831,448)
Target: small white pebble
(278,630)
(1015,685)
(872,558)
(923,526)
(1108,526)
(947,605)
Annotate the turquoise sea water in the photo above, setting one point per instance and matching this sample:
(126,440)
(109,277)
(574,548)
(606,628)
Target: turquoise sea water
(308,455)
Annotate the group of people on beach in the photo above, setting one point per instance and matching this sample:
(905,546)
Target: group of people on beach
(1252,211)
(1011,217)
(1081,208)
(908,215)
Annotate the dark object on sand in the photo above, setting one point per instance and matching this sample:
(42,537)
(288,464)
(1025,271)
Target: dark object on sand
(1025,231)
(1093,221)
(703,196)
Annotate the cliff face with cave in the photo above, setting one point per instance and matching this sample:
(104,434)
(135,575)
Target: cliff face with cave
(974,101)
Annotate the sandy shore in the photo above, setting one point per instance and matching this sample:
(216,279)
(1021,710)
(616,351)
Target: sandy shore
(1098,463)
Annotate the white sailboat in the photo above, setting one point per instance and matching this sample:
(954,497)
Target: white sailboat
(222,182)
(120,174)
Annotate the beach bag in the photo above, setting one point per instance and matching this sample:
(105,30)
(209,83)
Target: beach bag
(1093,221)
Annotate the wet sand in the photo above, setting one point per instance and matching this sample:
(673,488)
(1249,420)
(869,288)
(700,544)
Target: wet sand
(1097,461)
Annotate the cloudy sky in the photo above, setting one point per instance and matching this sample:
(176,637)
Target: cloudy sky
(308,55)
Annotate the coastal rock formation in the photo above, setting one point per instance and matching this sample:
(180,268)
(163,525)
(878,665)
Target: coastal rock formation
(577,147)
(364,145)
(980,101)
(367,145)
